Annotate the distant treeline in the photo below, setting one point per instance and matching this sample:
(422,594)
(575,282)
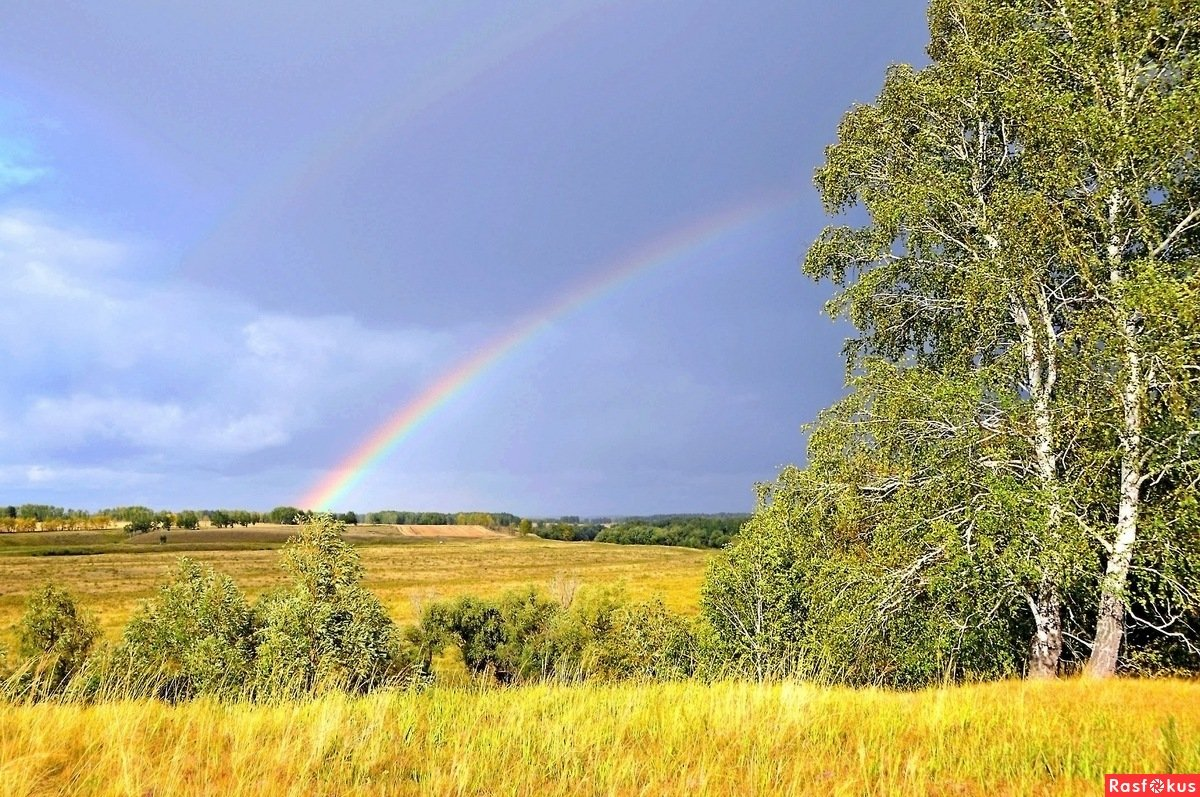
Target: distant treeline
(403,518)
(689,531)
(139,519)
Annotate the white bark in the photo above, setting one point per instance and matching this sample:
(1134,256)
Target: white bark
(1110,621)
(1042,372)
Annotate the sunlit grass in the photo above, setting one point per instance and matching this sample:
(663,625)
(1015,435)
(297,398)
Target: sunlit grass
(728,738)
(405,574)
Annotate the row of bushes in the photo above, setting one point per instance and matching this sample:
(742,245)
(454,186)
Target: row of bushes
(200,636)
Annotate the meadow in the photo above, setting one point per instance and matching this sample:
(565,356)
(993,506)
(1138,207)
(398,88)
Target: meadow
(1016,738)
(457,737)
(111,574)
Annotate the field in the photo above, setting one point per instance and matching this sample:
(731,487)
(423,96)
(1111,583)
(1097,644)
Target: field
(722,739)
(598,739)
(406,566)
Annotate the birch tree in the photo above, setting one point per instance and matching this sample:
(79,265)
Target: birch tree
(1123,79)
(958,270)
(1029,258)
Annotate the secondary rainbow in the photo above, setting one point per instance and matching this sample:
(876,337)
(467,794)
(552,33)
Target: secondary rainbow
(474,54)
(674,247)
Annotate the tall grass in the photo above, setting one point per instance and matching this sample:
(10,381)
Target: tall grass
(669,738)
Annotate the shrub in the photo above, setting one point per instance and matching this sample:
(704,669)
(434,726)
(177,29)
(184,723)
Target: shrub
(55,637)
(326,630)
(524,636)
(646,641)
(195,637)
(508,639)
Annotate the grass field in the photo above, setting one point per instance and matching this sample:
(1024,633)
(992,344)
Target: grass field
(110,574)
(630,739)
(723,739)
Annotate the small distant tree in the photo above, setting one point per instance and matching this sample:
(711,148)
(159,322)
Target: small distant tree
(140,523)
(285,514)
(188,520)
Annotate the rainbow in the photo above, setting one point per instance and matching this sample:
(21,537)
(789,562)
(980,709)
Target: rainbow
(675,246)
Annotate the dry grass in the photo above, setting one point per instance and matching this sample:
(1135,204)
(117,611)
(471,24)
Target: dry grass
(651,739)
(729,738)
(404,571)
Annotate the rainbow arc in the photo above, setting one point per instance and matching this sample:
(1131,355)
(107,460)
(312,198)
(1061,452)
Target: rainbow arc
(676,246)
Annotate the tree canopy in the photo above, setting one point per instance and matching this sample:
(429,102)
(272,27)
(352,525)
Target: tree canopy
(1010,484)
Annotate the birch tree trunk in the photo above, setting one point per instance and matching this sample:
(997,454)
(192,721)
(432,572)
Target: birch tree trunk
(1038,341)
(1110,618)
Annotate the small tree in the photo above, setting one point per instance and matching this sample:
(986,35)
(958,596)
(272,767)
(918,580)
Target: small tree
(326,630)
(195,637)
(56,635)
(284,514)
(140,522)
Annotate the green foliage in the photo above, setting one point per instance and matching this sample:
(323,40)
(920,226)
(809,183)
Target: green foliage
(1010,471)
(195,637)
(832,581)
(691,531)
(326,630)
(523,636)
(140,522)
(55,637)
(286,515)
(484,519)
(566,531)
(188,520)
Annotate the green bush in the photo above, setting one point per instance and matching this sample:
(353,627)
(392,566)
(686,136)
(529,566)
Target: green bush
(55,638)
(523,636)
(646,641)
(196,637)
(326,630)
(507,638)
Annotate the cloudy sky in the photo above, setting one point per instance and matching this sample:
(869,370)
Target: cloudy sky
(554,244)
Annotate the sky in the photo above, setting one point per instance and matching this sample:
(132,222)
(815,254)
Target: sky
(531,257)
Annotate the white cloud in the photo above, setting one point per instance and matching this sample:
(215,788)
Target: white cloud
(39,475)
(98,358)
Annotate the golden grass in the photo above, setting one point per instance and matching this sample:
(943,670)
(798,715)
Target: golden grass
(728,738)
(405,572)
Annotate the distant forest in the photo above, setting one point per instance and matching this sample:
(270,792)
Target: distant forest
(688,531)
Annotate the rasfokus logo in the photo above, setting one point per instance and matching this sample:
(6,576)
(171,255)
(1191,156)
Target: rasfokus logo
(1151,784)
